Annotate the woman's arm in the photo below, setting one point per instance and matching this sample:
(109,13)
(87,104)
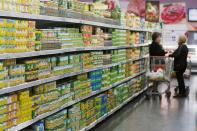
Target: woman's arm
(161,51)
(179,52)
(173,54)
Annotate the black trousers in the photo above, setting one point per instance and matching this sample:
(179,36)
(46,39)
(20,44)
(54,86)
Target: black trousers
(181,83)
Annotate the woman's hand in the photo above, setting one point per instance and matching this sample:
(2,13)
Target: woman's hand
(169,51)
(167,54)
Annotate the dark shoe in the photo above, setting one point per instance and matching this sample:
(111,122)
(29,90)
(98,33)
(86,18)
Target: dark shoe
(155,91)
(180,96)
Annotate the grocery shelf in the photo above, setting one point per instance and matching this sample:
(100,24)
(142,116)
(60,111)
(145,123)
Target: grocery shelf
(113,111)
(28,16)
(66,50)
(54,78)
(40,117)
(68,17)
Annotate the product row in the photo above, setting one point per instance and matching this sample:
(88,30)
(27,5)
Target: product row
(22,36)
(17,71)
(17,36)
(59,7)
(27,104)
(58,38)
(90,11)
(88,111)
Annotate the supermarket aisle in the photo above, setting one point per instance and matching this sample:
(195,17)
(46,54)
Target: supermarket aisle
(173,115)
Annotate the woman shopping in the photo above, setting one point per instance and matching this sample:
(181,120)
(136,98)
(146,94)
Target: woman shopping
(180,65)
(156,48)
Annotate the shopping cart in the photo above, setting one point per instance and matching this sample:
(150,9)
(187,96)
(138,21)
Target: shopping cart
(187,76)
(160,72)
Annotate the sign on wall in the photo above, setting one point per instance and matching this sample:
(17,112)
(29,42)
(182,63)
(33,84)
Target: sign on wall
(173,13)
(152,11)
(171,33)
(137,7)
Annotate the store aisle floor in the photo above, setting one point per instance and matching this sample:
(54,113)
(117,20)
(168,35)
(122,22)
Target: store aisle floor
(153,115)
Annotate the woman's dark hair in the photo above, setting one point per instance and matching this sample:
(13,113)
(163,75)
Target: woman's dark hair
(155,35)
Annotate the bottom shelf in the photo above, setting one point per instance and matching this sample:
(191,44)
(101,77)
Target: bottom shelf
(113,111)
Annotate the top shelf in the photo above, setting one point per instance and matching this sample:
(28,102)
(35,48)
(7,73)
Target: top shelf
(104,23)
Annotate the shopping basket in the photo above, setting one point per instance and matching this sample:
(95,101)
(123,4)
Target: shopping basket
(160,71)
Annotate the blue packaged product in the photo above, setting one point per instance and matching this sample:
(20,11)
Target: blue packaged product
(39,126)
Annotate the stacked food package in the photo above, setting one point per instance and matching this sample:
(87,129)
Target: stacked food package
(133,21)
(100,105)
(43,95)
(119,37)
(121,93)
(59,38)
(3,76)
(17,36)
(117,73)
(63,66)
(88,113)
(96,79)
(74,117)
(23,6)
(144,51)
(133,53)
(118,55)
(49,7)
(81,86)
(24,112)
(98,39)
(111,102)
(56,122)
(106,78)
(44,68)
(87,60)
(31,69)
(87,34)
(107,57)
(65,92)
(97,58)
(135,38)
(8,111)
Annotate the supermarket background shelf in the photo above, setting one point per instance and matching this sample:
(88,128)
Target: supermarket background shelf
(28,16)
(40,117)
(57,36)
(50,79)
(113,111)
(66,50)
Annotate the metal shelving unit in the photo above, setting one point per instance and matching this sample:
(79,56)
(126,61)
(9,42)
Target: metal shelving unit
(70,19)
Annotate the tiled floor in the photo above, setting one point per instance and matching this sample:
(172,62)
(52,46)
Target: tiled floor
(155,115)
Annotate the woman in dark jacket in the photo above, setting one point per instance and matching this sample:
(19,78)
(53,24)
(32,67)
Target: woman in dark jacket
(180,65)
(156,48)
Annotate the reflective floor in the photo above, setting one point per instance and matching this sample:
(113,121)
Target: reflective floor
(155,115)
